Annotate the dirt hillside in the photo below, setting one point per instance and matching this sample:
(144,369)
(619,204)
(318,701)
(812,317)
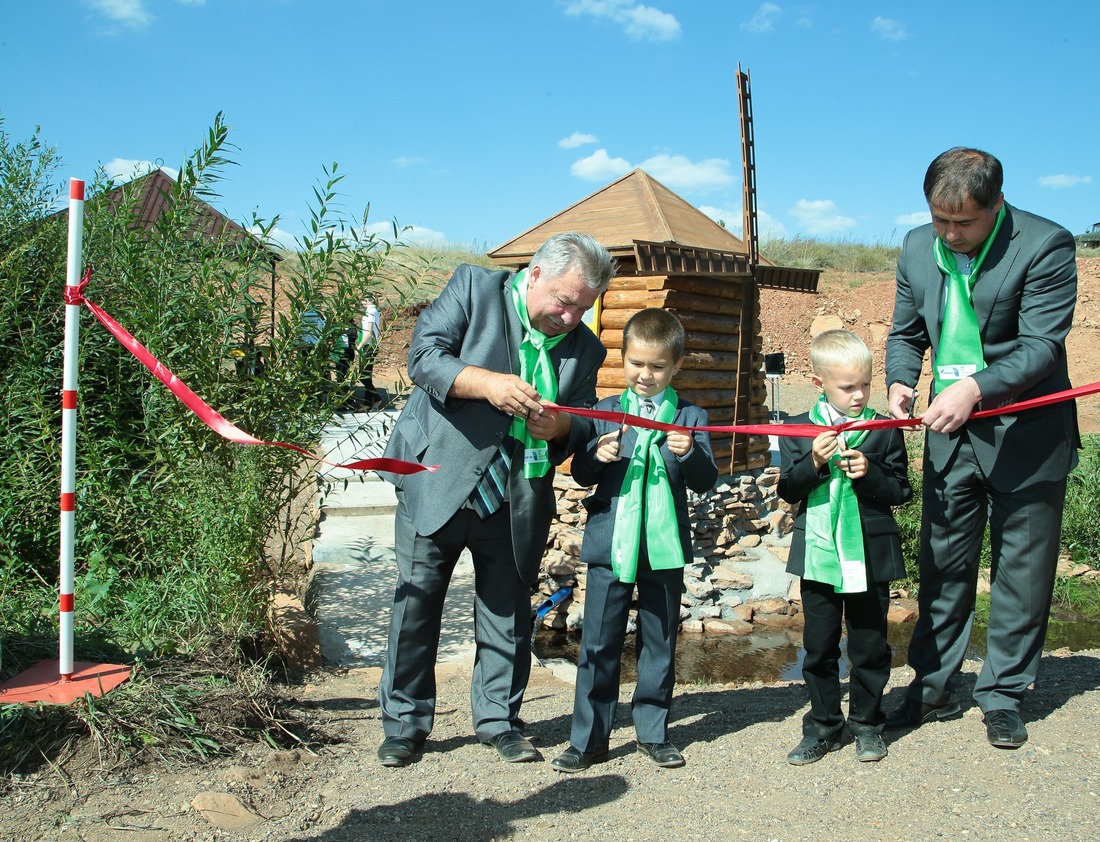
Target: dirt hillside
(864,303)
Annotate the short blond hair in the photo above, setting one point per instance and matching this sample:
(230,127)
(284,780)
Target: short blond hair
(838,347)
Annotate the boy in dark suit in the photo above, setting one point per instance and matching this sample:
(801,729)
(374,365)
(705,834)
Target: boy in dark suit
(637,532)
(845,548)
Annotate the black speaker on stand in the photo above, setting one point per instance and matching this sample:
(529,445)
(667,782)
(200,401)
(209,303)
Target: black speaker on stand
(775,366)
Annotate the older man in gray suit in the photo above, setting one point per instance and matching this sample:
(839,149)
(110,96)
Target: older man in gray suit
(490,351)
(991,290)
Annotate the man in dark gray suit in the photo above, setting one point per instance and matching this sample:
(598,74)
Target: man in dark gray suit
(991,290)
(485,356)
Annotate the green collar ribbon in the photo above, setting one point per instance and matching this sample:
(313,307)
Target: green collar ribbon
(646,498)
(834,534)
(960,351)
(535,368)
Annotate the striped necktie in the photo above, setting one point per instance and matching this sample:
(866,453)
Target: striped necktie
(488,494)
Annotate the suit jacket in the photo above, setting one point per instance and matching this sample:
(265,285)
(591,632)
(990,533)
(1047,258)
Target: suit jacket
(697,471)
(1024,300)
(474,323)
(886,484)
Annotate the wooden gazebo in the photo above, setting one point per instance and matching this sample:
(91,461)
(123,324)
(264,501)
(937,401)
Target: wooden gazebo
(672,255)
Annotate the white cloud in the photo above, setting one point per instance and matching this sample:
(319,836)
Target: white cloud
(127,169)
(1059,181)
(421,236)
(731,216)
(599,166)
(911,219)
(891,30)
(821,216)
(280,237)
(408,161)
(130,13)
(577,139)
(767,226)
(637,20)
(679,173)
(674,171)
(763,20)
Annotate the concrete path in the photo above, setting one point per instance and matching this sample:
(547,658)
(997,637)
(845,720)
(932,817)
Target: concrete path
(354,571)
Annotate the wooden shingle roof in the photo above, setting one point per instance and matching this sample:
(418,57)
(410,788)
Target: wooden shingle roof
(635,207)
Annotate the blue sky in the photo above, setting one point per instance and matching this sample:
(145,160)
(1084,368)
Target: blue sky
(472,122)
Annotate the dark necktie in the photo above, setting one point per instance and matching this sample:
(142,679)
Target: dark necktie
(488,494)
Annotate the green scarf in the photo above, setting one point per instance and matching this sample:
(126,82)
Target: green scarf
(535,368)
(834,535)
(653,502)
(960,349)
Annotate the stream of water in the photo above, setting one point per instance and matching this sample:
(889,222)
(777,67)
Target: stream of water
(770,656)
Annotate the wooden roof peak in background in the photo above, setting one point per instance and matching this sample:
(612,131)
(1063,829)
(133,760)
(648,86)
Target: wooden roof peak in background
(634,207)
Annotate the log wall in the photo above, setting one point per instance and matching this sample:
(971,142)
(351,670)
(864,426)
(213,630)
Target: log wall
(723,359)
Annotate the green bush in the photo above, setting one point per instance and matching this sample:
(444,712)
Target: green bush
(1080,522)
(172,520)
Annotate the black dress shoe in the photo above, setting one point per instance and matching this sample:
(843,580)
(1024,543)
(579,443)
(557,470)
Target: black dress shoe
(912,713)
(574,760)
(513,747)
(663,754)
(396,751)
(1005,729)
(811,750)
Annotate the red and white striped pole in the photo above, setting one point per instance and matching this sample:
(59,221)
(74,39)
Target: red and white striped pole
(68,430)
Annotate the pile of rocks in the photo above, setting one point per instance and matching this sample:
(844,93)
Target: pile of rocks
(738,526)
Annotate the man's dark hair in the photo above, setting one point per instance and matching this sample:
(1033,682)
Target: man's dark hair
(961,174)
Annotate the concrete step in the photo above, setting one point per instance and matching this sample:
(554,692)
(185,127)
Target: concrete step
(364,496)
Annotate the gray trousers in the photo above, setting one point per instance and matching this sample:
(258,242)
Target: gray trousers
(1025,527)
(502,625)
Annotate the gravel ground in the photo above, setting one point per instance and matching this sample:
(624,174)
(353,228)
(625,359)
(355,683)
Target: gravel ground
(940,781)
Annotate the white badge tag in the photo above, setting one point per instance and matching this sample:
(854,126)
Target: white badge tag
(531,455)
(955,372)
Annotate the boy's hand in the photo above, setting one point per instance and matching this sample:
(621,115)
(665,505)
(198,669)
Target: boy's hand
(824,447)
(679,443)
(853,463)
(607,446)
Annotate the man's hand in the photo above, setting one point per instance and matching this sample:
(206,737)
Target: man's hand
(548,424)
(506,392)
(901,399)
(951,407)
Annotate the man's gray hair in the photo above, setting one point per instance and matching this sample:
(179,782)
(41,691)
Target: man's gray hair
(572,250)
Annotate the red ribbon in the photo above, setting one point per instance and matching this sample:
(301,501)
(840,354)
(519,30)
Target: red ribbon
(813,430)
(75,295)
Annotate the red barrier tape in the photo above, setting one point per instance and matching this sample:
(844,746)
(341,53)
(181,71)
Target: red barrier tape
(75,295)
(206,414)
(813,430)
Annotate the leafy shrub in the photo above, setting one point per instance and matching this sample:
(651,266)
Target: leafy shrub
(172,520)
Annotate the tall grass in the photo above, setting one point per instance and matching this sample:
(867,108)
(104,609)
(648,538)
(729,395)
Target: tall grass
(838,255)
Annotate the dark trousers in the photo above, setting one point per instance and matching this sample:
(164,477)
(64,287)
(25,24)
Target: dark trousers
(502,624)
(864,615)
(1025,528)
(606,609)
